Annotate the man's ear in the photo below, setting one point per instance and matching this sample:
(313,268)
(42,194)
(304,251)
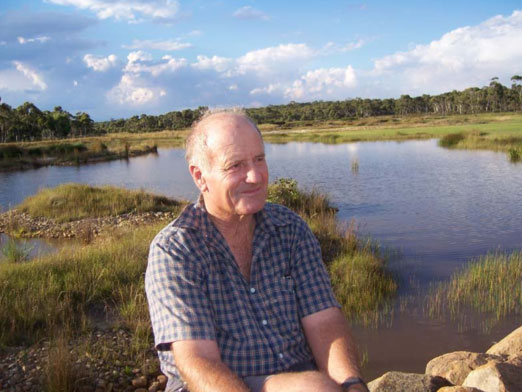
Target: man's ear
(198,177)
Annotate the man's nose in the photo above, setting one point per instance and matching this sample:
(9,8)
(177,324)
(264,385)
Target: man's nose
(253,174)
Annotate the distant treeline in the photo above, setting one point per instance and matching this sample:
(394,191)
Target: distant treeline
(27,122)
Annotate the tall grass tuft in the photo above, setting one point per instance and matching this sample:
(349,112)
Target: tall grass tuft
(69,202)
(61,374)
(15,252)
(515,154)
(451,139)
(490,285)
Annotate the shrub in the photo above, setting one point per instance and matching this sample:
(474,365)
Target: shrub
(451,139)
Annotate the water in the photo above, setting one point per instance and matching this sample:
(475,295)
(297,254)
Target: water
(438,208)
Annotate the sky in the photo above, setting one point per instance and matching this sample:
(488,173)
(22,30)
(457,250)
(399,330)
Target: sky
(119,58)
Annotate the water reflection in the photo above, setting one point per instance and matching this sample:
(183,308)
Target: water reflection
(28,248)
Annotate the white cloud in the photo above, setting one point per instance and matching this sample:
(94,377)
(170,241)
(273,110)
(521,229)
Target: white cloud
(248,12)
(322,83)
(169,45)
(23,41)
(216,63)
(142,62)
(467,56)
(100,64)
(30,74)
(274,59)
(132,10)
(331,83)
(332,47)
(131,90)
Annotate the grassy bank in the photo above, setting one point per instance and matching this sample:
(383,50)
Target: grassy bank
(495,131)
(70,202)
(490,285)
(15,156)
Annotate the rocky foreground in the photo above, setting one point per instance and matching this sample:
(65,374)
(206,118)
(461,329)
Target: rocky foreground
(105,363)
(497,370)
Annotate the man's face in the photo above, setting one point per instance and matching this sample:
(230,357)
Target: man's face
(236,177)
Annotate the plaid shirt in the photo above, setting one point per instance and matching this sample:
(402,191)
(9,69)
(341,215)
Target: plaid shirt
(196,290)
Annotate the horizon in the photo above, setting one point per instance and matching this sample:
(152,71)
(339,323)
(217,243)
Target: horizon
(117,59)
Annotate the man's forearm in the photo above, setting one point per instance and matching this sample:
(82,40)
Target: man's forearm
(332,345)
(204,375)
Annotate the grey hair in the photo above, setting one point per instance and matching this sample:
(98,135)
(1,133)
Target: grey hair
(196,148)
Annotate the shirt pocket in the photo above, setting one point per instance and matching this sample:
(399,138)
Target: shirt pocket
(283,305)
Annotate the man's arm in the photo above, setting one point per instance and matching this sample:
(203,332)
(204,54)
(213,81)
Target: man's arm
(332,345)
(200,365)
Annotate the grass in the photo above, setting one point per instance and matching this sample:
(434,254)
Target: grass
(490,285)
(15,252)
(69,202)
(357,270)
(15,156)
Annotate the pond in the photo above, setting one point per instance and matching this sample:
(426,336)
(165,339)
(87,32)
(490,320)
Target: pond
(436,208)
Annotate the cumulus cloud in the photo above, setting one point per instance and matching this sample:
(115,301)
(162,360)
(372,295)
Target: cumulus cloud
(274,59)
(132,90)
(100,64)
(168,45)
(216,63)
(467,56)
(141,62)
(131,10)
(248,12)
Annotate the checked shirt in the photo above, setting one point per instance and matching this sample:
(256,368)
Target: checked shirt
(196,290)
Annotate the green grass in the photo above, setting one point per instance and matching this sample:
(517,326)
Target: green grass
(14,252)
(490,285)
(360,280)
(69,202)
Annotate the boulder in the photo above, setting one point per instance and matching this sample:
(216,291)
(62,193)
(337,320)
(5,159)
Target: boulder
(407,382)
(510,346)
(456,366)
(516,361)
(459,389)
(495,377)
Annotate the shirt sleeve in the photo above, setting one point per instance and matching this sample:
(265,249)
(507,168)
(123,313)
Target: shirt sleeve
(313,286)
(175,287)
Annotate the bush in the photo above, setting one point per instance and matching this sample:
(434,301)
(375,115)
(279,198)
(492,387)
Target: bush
(451,139)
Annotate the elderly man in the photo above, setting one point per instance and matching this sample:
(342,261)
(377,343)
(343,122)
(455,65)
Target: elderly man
(238,293)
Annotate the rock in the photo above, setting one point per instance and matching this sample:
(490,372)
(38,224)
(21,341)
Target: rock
(510,346)
(495,377)
(455,366)
(407,382)
(459,389)
(139,382)
(516,361)
(154,387)
(162,379)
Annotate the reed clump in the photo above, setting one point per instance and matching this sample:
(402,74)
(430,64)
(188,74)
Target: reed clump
(489,285)
(69,202)
(361,282)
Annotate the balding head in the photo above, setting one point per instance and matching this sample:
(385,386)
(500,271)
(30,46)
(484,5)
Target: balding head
(197,151)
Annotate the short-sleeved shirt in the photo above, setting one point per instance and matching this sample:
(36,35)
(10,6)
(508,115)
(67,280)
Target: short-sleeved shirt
(196,290)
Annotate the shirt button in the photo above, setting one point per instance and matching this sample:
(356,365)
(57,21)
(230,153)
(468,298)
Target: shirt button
(281,355)
(264,322)
(252,290)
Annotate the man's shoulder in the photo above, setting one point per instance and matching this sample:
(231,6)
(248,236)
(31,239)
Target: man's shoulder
(180,229)
(281,215)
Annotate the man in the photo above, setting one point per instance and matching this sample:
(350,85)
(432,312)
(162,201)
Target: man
(238,293)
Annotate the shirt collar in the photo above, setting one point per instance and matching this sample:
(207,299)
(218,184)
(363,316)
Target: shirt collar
(196,217)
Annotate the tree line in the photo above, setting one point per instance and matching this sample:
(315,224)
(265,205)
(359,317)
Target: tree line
(27,122)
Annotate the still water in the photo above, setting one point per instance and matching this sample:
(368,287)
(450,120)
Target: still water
(436,208)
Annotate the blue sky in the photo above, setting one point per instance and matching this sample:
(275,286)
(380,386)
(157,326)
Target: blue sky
(118,58)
